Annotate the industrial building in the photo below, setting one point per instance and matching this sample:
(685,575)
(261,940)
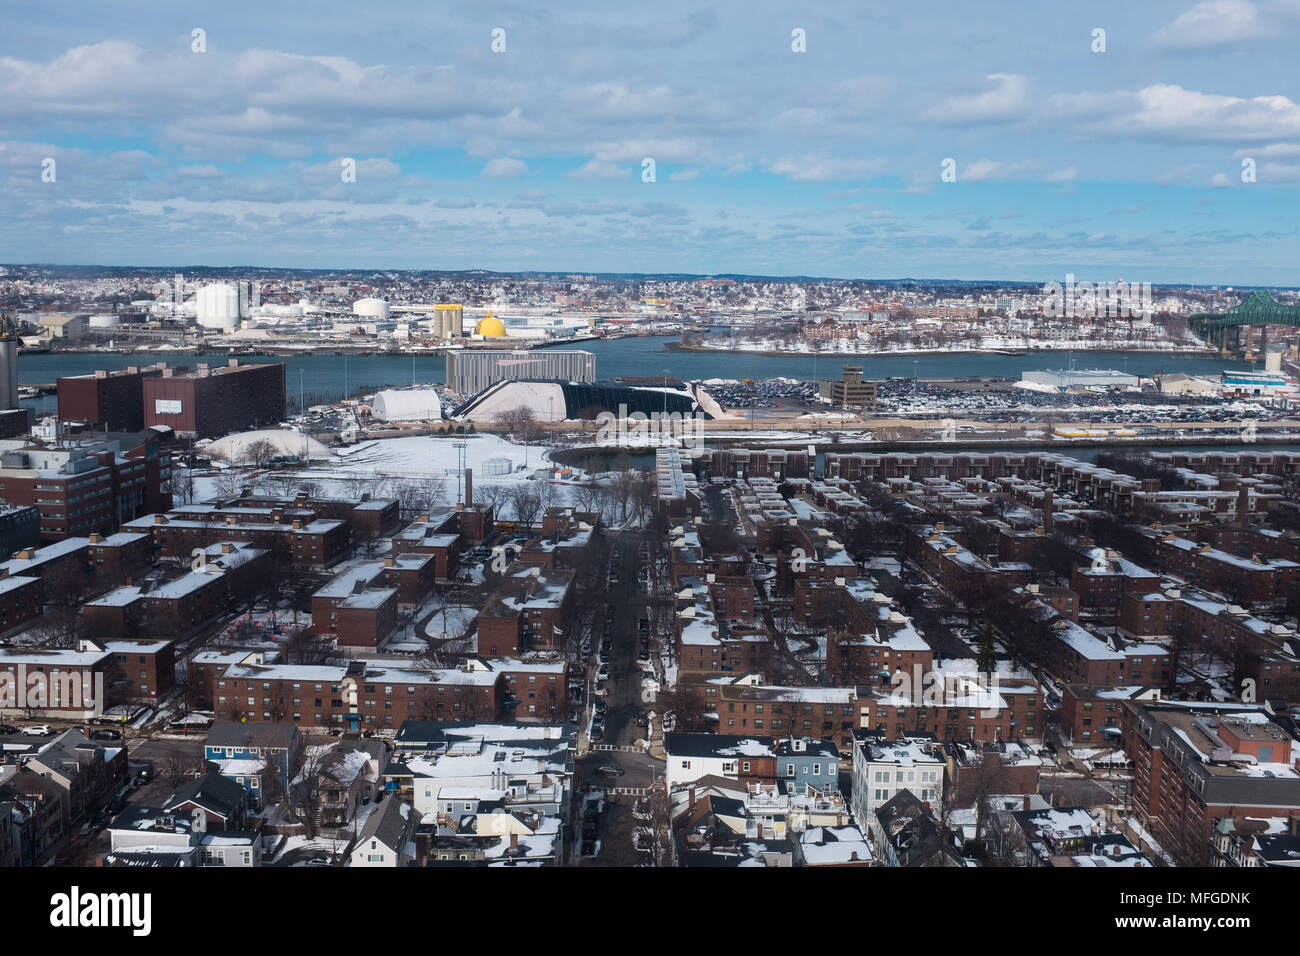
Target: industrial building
(1079,380)
(210,402)
(14,420)
(469,373)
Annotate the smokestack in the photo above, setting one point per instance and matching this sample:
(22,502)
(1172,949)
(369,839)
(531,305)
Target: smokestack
(1047,511)
(469,487)
(1243,502)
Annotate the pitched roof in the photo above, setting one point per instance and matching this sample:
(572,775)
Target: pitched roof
(212,792)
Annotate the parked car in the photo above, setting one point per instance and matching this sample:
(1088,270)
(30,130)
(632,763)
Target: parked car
(8,729)
(37,730)
(597,732)
(106,735)
(610,770)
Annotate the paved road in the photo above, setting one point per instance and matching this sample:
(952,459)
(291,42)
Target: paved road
(627,603)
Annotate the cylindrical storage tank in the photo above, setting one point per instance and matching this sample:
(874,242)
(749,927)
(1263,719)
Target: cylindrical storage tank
(371,309)
(218,306)
(1273,360)
(106,321)
(453,320)
(8,372)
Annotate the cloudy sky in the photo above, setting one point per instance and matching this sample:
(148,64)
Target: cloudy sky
(1118,164)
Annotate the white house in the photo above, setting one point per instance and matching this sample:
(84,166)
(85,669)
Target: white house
(692,756)
(388,836)
(881,770)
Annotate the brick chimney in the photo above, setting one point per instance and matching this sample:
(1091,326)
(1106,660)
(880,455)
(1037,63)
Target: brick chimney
(1243,502)
(1047,511)
(469,487)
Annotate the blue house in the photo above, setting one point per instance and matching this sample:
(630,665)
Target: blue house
(807,762)
(246,752)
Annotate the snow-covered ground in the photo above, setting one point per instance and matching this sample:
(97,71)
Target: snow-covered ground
(373,465)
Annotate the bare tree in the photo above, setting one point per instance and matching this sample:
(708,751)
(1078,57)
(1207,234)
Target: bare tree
(177,767)
(258,453)
(527,503)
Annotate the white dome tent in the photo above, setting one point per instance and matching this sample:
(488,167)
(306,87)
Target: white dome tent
(407,405)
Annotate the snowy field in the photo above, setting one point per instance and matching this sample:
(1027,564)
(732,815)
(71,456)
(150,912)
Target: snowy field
(370,466)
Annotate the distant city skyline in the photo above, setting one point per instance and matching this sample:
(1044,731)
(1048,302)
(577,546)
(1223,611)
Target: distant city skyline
(768,162)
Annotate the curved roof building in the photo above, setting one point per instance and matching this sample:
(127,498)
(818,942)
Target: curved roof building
(407,405)
(560,401)
(490,327)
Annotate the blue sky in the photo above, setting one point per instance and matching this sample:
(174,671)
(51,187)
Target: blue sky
(1122,164)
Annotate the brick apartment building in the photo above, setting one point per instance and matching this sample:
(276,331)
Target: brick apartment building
(106,400)
(421,537)
(1097,715)
(119,557)
(143,671)
(358,608)
(174,608)
(315,544)
(1194,764)
(525,612)
(1077,656)
(90,487)
(361,694)
(211,402)
(414,576)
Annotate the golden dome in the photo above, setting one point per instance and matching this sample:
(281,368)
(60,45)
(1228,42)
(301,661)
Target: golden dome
(490,327)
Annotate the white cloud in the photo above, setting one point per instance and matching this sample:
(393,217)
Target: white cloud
(825,169)
(1007,101)
(598,169)
(1215,23)
(504,168)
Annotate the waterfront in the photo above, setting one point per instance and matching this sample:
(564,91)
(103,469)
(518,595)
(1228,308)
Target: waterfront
(325,376)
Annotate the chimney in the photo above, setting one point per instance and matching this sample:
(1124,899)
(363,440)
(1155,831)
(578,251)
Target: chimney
(1243,502)
(1027,807)
(388,562)
(469,487)
(227,547)
(514,841)
(1047,510)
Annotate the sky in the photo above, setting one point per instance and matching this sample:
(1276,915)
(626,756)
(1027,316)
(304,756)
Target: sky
(786,139)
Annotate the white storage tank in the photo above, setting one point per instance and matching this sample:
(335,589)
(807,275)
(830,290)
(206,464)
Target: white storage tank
(371,308)
(218,306)
(105,321)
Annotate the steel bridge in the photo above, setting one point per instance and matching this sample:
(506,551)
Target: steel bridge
(1258,308)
